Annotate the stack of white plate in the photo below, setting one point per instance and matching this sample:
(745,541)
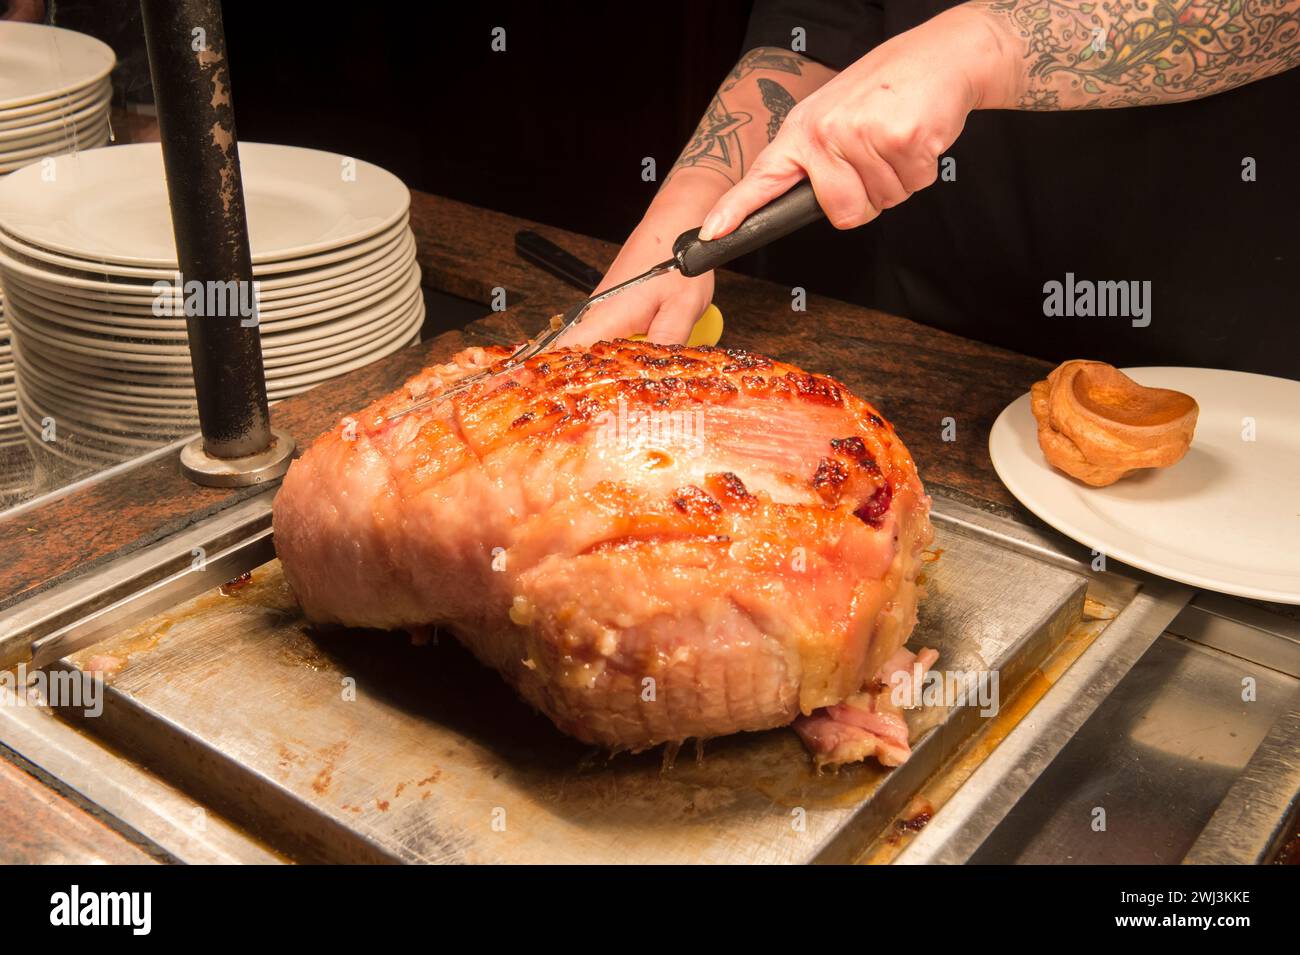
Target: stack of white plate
(8,416)
(15,466)
(54,92)
(81,251)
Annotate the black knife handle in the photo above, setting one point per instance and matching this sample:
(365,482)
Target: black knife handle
(545,254)
(794,210)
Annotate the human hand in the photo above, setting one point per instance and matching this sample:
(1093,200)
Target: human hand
(873,135)
(665,308)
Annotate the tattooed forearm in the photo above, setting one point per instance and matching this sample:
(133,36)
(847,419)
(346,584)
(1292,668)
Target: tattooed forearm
(749,109)
(778,101)
(1084,54)
(764,58)
(716,144)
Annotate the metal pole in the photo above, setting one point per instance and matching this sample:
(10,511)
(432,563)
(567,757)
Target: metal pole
(191,82)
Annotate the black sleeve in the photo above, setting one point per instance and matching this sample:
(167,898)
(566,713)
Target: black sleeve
(838,31)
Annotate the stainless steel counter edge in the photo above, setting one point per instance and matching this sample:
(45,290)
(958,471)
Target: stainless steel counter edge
(127,797)
(963,823)
(1263,806)
(29,621)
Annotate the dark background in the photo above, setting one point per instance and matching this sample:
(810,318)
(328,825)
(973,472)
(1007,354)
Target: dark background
(555,130)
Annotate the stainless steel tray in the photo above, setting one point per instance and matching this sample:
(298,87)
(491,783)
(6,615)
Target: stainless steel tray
(357,746)
(433,759)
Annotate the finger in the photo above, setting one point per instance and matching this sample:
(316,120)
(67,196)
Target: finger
(914,157)
(916,171)
(884,190)
(625,314)
(772,175)
(840,191)
(674,321)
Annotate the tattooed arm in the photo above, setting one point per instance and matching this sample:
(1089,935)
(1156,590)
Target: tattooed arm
(872,136)
(1084,54)
(748,110)
(742,118)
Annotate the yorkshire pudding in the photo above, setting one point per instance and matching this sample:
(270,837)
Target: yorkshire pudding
(1097,424)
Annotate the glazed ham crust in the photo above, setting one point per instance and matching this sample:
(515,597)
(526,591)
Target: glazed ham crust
(649,542)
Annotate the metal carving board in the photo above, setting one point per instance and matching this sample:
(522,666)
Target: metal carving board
(358,746)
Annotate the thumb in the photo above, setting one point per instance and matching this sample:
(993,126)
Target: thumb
(772,175)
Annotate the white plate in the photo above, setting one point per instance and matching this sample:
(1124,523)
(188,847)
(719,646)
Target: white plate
(81,136)
(275,303)
(138,316)
(11,164)
(166,407)
(67,372)
(79,370)
(107,427)
(76,445)
(367,257)
(111,204)
(54,108)
(90,415)
(54,124)
(296,347)
(277,388)
(38,257)
(39,62)
(1225,518)
(57,375)
(123,346)
(319,318)
(53,142)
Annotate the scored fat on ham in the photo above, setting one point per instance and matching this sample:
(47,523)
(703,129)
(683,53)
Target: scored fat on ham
(649,542)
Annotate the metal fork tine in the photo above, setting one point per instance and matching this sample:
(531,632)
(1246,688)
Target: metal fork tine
(537,345)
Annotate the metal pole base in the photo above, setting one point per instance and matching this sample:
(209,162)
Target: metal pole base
(202,468)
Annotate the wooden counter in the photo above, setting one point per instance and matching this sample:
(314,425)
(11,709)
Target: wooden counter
(38,826)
